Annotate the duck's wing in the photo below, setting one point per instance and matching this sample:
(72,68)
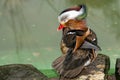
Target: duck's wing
(90,45)
(91,42)
(71,64)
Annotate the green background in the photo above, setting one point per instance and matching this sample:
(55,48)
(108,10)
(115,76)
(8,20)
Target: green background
(28,32)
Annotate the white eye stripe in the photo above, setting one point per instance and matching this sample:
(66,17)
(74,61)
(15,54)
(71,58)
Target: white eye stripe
(70,15)
(67,15)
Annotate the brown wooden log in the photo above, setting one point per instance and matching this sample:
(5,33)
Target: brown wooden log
(111,77)
(21,72)
(117,69)
(96,70)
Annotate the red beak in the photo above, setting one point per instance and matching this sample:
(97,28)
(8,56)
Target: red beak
(60,27)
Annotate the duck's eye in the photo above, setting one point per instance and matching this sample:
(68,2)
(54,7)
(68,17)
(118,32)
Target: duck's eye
(65,20)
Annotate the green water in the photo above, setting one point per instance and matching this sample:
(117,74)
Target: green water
(28,29)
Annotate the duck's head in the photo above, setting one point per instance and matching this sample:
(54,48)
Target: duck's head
(70,16)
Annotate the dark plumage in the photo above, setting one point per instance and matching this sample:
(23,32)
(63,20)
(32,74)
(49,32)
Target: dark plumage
(71,64)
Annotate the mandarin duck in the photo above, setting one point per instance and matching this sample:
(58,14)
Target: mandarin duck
(78,45)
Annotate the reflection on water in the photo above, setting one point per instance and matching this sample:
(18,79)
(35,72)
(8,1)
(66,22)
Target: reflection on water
(12,13)
(31,25)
